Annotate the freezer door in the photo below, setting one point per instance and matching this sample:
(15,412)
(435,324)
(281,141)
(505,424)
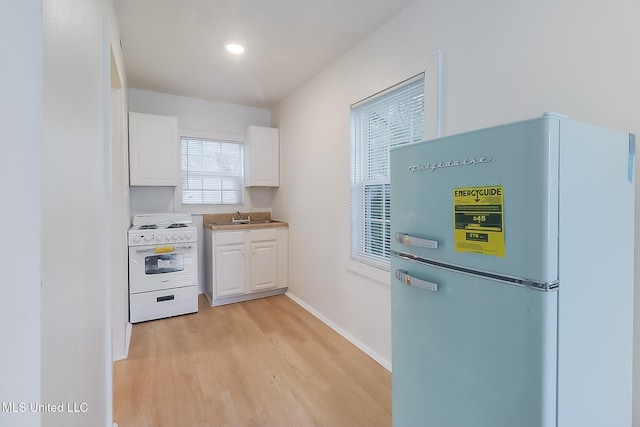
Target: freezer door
(485,200)
(469,351)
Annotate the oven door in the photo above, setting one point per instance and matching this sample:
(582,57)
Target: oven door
(153,268)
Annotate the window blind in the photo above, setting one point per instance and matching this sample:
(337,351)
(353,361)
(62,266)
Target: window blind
(211,171)
(392,117)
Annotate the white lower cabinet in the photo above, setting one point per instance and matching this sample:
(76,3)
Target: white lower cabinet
(264,265)
(230,270)
(245,264)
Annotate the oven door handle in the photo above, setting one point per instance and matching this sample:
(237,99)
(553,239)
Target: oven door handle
(154,250)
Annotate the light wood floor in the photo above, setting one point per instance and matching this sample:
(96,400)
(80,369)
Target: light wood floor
(265,362)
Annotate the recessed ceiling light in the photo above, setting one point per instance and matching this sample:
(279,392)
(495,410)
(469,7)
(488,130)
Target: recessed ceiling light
(235,48)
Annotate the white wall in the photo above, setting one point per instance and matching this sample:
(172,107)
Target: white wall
(208,117)
(216,119)
(21,118)
(504,61)
(76,211)
(120,207)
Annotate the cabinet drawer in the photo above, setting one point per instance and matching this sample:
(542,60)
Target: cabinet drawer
(159,304)
(229,237)
(263,234)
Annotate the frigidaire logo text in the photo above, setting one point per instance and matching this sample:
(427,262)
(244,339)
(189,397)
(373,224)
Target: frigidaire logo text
(448,164)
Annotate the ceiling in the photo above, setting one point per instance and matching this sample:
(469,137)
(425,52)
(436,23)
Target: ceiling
(178,46)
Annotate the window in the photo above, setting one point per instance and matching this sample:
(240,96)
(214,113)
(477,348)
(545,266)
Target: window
(211,171)
(393,117)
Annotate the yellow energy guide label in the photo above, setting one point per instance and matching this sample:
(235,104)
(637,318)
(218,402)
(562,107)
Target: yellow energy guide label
(479,220)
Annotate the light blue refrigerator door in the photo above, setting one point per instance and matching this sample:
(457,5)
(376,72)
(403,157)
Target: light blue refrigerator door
(488,199)
(474,352)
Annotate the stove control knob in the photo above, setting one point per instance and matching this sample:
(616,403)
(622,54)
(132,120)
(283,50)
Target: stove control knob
(188,235)
(174,236)
(147,238)
(136,239)
(181,236)
(159,237)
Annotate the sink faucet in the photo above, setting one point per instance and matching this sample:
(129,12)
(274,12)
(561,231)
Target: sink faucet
(233,218)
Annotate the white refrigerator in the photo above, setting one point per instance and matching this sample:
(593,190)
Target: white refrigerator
(512,277)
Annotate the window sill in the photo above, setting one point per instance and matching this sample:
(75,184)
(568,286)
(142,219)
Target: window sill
(205,209)
(377,274)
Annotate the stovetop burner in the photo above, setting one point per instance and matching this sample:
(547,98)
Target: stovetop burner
(162,229)
(160,226)
(177,225)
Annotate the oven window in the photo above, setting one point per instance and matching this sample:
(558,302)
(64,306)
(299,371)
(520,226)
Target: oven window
(163,263)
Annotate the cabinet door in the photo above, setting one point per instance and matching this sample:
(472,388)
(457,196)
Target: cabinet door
(264,265)
(230,269)
(262,157)
(153,150)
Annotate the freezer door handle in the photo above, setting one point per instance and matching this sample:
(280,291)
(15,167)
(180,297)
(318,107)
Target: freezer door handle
(404,277)
(408,240)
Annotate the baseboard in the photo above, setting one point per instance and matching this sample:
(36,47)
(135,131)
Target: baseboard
(366,349)
(247,297)
(128,339)
(126,346)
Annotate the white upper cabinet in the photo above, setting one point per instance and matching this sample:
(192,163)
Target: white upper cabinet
(153,150)
(261,157)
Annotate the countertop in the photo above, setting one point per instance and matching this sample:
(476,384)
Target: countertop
(224,221)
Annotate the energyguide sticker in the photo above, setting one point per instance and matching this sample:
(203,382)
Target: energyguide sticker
(479,220)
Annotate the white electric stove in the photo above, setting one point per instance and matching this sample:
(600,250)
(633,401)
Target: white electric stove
(163,266)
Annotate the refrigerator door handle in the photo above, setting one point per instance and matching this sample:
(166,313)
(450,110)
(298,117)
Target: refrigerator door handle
(404,277)
(408,240)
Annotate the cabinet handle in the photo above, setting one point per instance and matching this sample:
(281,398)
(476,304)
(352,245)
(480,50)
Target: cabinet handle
(165,298)
(408,240)
(155,249)
(404,277)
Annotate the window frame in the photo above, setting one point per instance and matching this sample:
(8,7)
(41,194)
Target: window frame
(379,122)
(208,208)
(431,69)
